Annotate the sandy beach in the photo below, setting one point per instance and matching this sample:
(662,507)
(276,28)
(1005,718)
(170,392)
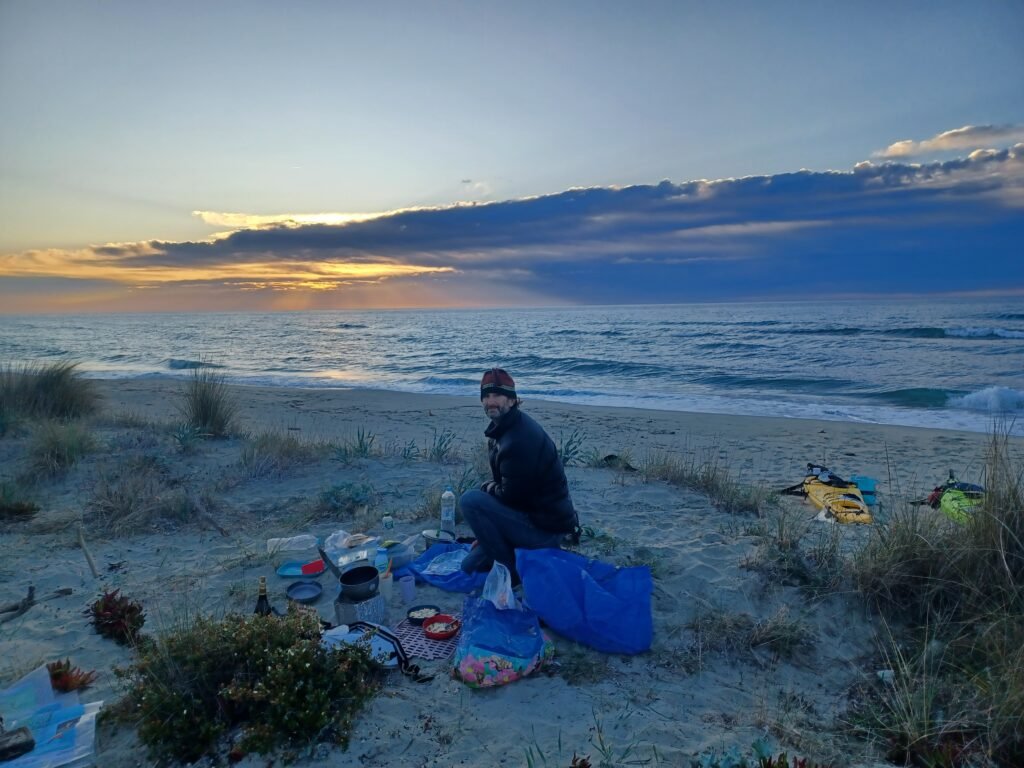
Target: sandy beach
(684,696)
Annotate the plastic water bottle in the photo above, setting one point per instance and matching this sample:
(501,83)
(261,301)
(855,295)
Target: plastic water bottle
(380,562)
(448,510)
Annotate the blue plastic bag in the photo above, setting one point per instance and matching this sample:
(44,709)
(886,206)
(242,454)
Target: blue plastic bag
(594,603)
(459,581)
(497,646)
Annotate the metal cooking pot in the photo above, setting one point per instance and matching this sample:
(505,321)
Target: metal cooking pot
(359,583)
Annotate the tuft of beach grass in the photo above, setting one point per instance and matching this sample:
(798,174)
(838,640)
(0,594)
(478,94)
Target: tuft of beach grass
(208,404)
(52,391)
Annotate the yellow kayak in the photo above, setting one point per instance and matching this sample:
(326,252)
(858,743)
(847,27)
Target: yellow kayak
(835,498)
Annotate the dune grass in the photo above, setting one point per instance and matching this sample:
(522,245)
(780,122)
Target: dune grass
(958,680)
(716,629)
(50,391)
(270,454)
(54,447)
(207,404)
(362,445)
(796,551)
(710,477)
(136,494)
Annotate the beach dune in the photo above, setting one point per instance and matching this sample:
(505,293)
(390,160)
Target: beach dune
(698,688)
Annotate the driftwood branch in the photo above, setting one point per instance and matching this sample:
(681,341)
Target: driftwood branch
(87,553)
(19,607)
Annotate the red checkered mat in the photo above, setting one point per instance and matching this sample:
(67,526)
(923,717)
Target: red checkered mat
(417,644)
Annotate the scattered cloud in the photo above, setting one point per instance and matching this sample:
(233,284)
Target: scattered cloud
(969,137)
(878,228)
(263,221)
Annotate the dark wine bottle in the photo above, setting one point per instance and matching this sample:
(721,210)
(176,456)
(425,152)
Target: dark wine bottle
(262,601)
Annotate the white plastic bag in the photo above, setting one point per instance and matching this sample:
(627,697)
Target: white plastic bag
(337,541)
(498,588)
(446,563)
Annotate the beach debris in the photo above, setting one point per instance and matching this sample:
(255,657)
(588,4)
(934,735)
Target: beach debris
(18,607)
(612,461)
(87,553)
(117,617)
(16,743)
(66,678)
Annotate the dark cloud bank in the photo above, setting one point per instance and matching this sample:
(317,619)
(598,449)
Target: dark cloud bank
(879,229)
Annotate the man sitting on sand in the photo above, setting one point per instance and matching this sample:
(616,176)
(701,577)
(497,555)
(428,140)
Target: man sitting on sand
(527,504)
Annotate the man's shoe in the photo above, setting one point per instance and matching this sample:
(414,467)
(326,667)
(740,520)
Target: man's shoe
(476,560)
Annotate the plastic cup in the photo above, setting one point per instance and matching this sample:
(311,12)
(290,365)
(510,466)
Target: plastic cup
(385,585)
(408,586)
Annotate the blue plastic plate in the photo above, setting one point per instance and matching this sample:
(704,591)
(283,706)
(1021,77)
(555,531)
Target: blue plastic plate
(304,591)
(293,569)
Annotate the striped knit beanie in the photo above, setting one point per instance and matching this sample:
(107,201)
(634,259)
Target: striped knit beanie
(498,381)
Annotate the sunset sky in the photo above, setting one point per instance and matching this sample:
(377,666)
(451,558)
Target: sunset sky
(331,155)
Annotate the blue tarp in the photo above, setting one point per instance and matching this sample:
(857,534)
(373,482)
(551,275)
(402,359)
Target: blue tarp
(450,582)
(595,603)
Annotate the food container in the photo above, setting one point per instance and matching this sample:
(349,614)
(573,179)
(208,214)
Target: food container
(441,626)
(420,613)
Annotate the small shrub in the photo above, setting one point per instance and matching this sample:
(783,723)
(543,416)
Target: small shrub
(117,617)
(267,681)
(13,505)
(208,404)
(272,453)
(66,678)
(347,499)
(55,447)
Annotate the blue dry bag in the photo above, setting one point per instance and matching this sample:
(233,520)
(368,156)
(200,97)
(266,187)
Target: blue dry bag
(594,603)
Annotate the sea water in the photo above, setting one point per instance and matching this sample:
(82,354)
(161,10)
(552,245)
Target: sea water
(948,363)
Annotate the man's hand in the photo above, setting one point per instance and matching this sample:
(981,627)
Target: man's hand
(488,487)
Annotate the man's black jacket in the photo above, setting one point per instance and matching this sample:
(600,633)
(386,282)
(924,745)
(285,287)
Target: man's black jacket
(528,473)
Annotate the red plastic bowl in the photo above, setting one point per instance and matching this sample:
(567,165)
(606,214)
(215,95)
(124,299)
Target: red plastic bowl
(441,626)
